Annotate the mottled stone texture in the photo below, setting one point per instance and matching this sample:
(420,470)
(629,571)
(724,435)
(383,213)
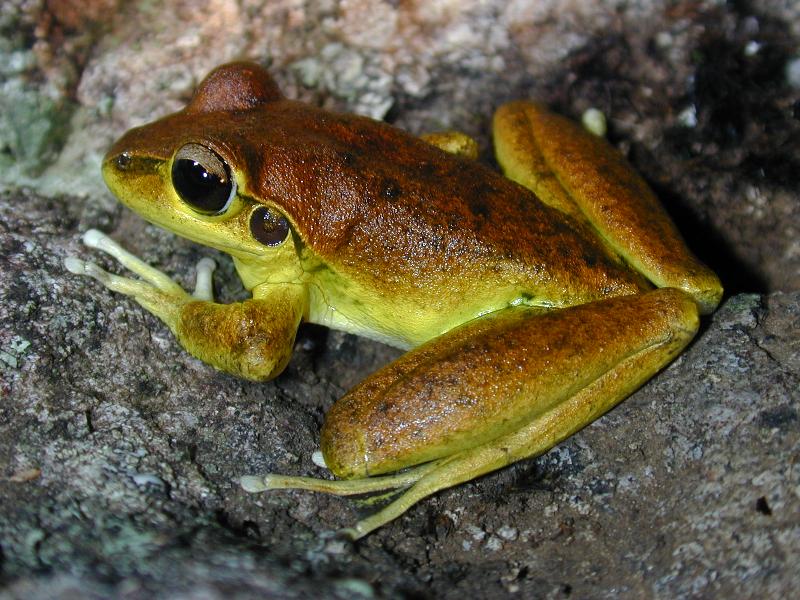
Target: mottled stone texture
(118,452)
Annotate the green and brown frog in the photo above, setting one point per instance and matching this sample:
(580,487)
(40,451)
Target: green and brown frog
(529,304)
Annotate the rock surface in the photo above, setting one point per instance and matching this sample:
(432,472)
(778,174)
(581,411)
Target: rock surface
(118,452)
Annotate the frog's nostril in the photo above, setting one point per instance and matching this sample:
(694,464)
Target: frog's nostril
(122,161)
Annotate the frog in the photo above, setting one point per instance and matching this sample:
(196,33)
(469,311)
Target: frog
(528,302)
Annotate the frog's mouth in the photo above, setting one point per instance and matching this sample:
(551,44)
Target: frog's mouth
(213,242)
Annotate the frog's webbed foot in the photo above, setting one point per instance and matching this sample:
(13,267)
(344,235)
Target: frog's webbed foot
(338,487)
(156,291)
(394,483)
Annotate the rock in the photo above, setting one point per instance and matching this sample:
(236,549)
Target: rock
(119,452)
(120,455)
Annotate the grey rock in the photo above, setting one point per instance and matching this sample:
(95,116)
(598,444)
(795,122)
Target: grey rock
(120,453)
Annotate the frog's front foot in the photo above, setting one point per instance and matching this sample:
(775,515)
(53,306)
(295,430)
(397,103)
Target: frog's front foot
(251,339)
(156,291)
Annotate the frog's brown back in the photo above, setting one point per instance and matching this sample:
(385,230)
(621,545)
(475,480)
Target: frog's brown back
(394,213)
(372,199)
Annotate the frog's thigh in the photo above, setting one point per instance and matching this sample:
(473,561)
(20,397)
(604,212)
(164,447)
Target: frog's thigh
(576,171)
(502,388)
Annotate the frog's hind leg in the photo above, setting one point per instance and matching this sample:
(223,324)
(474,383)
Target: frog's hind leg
(584,176)
(501,388)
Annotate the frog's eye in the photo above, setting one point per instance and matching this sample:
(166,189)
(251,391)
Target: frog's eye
(202,179)
(268,227)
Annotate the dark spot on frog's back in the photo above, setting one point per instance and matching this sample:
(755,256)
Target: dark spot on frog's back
(454,221)
(348,158)
(590,258)
(427,171)
(390,189)
(479,207)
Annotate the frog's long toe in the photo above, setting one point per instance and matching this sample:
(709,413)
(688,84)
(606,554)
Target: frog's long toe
(155,291)
(339,487)
(204,282)
(123,285)
(99,240)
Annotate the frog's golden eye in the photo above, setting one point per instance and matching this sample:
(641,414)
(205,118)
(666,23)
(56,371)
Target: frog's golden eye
(268,226)
(202,179)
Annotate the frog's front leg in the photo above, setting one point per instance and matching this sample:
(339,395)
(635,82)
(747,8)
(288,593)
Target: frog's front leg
(498,389)
(251,339)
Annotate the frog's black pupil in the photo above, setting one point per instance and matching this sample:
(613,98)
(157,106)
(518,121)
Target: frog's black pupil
(268,227)
(201,189)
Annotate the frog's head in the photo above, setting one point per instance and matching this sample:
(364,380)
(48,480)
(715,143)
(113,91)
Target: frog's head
(191,172)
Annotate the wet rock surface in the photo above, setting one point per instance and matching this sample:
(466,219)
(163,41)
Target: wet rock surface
(119,452)
(119,456)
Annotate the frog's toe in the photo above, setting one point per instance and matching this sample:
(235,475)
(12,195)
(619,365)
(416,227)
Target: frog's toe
(155,291)
(94,238)
(273,481)
(254,484)
(318,459)
(204,282)
(339,487)
(78,266)
(75,265)
(116,283)
(99,240)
